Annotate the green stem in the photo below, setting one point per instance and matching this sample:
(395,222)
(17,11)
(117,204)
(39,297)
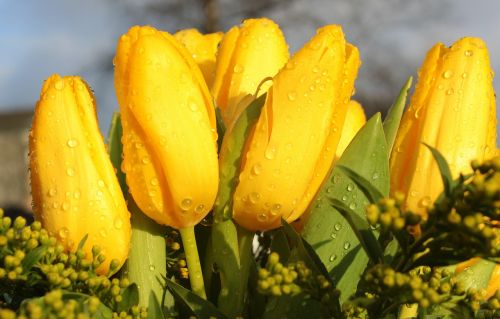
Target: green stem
(193,261)
(245,242)
(147,259)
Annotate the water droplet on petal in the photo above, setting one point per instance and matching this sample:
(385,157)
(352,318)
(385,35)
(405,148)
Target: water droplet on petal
(425,202)
(63,233)
(256,169)
(100,183)
(186,203)
(70,172)
(199,209)
(292,95)
(447,74)
(52,192)
(270,153)
(59,85)
(238,68)
(118,223)
(275,209)
(72,143)
(254,197)
(468,53)
(154,182)
(449,92)
(262,217)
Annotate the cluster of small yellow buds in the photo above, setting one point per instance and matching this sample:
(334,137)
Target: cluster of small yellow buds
(353,311)
(485,310)
(421,285)
(135,312)
(276,279)
(388,214)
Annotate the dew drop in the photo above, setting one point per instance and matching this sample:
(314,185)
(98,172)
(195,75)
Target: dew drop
(254,197)
(332,258)
(344,198)
(275,209)
(464,75)
(292,95)
(375,176)
(103,232)
(186,203)
(337,226)
(154,182)
(100,183)
(353,205)
(193,107)
(70,172)
(65,206)
(76,195)
(347,245)
(152,267)
(118,223)
(425,202)
(329,189)
(59,85)
(145,160)
(262,217)
(256,169)
(468,53)
(449,92)
(447,74)
(63,233)
(72,143)
(333,235)
(350,187)
(52,192)
(270,153)
(238,68)
(336,179)
(199,209)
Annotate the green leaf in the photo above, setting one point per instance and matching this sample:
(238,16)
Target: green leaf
(83,241)
(154,309)
(130,298)
(280,244)
(200,307)
(230,157)
(326,229)
(478,275)
(115,148)
(393,117)
(444,169)
(370,191)
(362,230)
(33,257)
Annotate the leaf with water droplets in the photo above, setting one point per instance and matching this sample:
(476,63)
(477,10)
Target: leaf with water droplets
(393,117)
(201,308)
(365,157)
(362,230)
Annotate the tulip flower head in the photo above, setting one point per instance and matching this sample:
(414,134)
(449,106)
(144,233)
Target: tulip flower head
(169,136)
(203,48)
(453,110)
(293,144)
(247,55)
(74,186)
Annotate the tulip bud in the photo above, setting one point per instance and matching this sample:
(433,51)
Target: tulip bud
(203,48)
(74,186)
(452,110)
(169,135)
(293,143)
(354,120)
(247,55)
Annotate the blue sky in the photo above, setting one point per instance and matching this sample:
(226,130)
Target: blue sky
(38,38)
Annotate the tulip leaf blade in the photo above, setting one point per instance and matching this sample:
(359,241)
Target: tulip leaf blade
(154,309)
(362,230)
(393,117)
(444,169)
(371,192)
(478,275)
(326,229)
(230,157)
(130,298)
(115,148)
(197,305)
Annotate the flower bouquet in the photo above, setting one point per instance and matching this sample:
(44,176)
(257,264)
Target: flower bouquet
(239,182)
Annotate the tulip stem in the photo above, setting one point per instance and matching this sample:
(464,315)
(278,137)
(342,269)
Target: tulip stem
(193,261)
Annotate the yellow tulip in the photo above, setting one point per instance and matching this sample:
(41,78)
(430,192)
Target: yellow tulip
(452,109)
(293,144)
(247,55)
(203,48)
(354,121)
(74,186)
(169,135)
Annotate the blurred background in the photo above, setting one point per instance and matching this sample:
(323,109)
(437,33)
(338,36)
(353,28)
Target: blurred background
(38,38)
